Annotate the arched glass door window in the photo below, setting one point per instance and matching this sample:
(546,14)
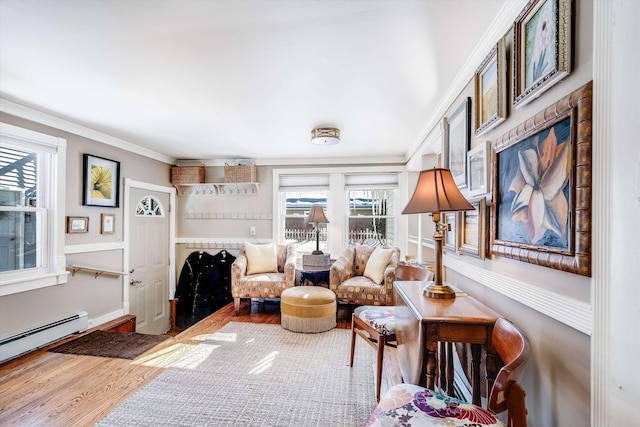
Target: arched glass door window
(149,206)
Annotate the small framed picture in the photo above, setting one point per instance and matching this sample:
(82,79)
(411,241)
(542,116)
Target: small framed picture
(491,90)
(108,224)
(101,183)
(542,53)
(473,229)
(77,224)
(478,162)
(458,134)
(449,219)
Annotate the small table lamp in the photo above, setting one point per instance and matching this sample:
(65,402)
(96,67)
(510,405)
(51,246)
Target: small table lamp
(437,192)
(317,217)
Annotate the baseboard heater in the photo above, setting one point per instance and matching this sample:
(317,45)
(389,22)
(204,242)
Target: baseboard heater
(24,342)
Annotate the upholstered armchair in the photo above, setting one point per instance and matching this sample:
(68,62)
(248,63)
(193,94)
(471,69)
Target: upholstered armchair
(356,280)
(255,274)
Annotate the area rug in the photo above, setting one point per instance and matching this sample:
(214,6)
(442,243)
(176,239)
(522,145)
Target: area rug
(250,374)
(119,345)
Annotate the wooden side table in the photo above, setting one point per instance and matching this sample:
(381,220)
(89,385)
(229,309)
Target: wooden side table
(421,323)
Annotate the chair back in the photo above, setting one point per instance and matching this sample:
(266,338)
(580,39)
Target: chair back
(506,393)
(413,273)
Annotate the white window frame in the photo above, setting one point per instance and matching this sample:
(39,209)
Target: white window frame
(53,271)
(337,200)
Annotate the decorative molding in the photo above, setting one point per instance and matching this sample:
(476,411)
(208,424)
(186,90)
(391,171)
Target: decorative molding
(604,50)
(93,247)
(240,215)
(214,243)
(37,116)
(569,311)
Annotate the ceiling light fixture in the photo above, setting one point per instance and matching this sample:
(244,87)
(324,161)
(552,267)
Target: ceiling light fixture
(325,136)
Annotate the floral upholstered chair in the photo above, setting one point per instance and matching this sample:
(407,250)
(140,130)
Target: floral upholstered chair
(412,405)
(364,275)
(262,271)
(377,324)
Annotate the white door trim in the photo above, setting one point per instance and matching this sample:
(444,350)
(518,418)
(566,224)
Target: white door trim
(128,184)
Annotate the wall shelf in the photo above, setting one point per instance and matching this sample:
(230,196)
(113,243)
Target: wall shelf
(97,271)
(219,189)
(240,215)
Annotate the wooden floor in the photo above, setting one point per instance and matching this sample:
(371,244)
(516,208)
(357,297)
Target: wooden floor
(52,389)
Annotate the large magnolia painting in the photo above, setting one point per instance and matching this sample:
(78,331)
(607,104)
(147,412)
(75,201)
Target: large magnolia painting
(534,199)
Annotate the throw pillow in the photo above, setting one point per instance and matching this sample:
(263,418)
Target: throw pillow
(377,263)
(261,258)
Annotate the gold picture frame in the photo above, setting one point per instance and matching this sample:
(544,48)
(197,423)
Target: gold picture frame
(107,223)
(491,90)
(77,224)
(473,229)
(543,38)
(450,219)
(556,143)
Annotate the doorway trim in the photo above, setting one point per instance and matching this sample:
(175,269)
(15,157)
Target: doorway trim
(171,191)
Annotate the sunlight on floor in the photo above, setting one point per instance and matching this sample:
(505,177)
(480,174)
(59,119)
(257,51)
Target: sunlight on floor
(165,357)
(222,336)
(265,363)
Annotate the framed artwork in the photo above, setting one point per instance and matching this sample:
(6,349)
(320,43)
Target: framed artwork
(478,169)
(77,224)
(542,48)
(107,223)
(101,182)
(473,229)
(458,134)
(491,90)
(450,231)
(542,187)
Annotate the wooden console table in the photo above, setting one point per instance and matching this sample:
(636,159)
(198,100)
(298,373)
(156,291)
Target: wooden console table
(421,323)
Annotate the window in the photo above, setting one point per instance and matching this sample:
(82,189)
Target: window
(297,193)
(31,201)
(360,202)
(371,217)
(296,229)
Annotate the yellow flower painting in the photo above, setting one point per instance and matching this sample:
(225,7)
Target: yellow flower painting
(101,182)
(101,178)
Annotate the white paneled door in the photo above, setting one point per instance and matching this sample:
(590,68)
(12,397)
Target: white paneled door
(149,260)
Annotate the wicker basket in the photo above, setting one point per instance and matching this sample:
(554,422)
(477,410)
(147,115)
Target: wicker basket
(241,173)
(187,174)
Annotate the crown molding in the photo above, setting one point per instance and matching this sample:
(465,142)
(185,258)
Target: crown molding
(497,29)
(18,110)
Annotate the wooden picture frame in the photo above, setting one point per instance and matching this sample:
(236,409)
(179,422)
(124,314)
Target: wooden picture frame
(546,163)
(543,39)
(473,229)
(101,182)
(458,136)
(107,223)
(478,165)
(491,90)
(449,219)
(77,224)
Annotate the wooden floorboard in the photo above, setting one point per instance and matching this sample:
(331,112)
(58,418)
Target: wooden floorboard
(52,389)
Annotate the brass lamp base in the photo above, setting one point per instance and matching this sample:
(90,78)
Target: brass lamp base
(439,291)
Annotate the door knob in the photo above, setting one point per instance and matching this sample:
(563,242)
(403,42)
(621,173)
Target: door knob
(134,282)
(132,270)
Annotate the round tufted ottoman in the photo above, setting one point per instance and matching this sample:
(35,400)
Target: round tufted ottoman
(308,309)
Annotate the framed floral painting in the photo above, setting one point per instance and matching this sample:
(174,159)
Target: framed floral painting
(101,182)
(542,187)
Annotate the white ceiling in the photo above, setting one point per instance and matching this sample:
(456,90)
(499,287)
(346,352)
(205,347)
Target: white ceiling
(225,79)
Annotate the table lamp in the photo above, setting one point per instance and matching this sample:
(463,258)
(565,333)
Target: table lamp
(437,192)
(317,217)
